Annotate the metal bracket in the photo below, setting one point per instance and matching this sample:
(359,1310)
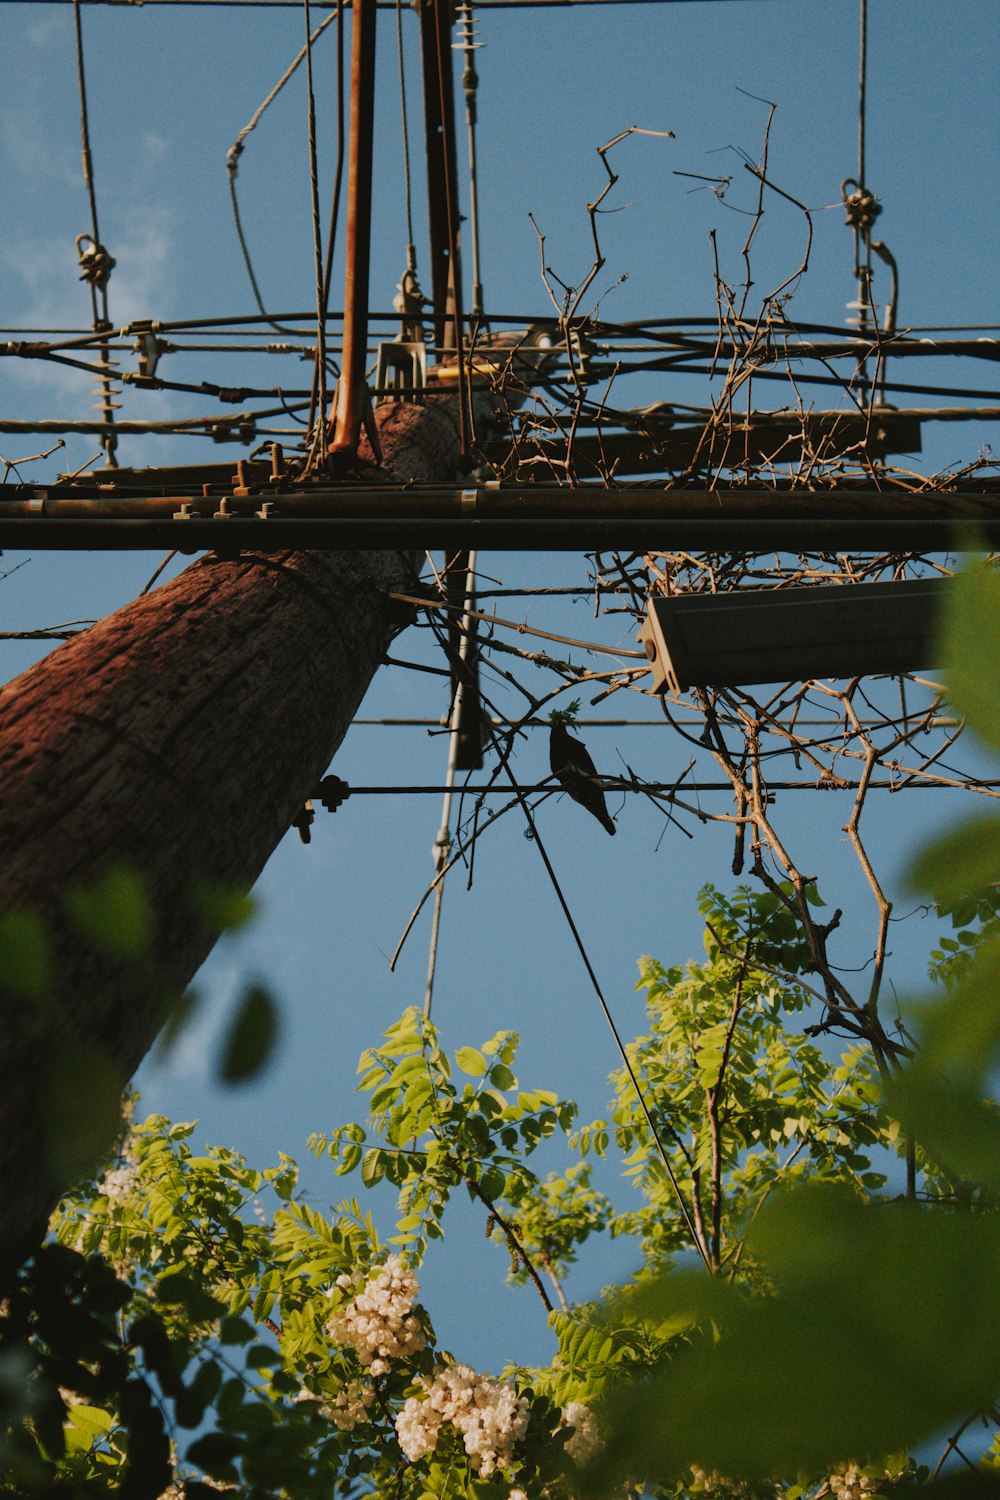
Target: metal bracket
(148,345)
(401,372)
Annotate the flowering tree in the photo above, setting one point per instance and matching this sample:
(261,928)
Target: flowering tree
(194,1325)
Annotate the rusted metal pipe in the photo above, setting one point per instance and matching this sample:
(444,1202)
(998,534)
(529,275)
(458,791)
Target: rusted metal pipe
(351,399)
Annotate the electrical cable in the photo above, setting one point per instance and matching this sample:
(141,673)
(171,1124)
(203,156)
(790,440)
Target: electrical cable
(596,985)
(470,85)
(668,789)
(96,263)
(442,844)
(407,186)
(504,763)
(88,163)
(545,635)
(236,151)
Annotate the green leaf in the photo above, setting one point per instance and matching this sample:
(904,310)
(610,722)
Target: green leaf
(372,1167)
(962,863)
(970,638)
(215,1454)
(501,1077)
(235,1331)
(492,1183)
(114,913)
(349,1158)
(471,1061)
(961,1030)
(25,954)
(894,1291)
(251,1037)
(260,1356)
(180,1289)
(207,1381)
(222,908)
(91,1420)
(958,1129)
(82,1090)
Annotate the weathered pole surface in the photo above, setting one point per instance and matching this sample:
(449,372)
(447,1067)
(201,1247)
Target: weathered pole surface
(178,737)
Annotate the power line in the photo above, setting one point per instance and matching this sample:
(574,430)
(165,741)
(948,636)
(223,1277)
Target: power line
(671,790)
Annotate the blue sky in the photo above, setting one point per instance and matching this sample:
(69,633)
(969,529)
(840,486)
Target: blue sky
(169,90)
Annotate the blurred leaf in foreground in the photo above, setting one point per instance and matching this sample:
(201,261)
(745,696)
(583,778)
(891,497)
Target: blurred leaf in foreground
(251,1037)
(873,1342)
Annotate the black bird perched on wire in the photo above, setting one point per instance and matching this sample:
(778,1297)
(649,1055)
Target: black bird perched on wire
(575,771)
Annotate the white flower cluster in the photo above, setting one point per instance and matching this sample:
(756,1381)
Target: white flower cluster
(585,1440)
(850,1484)
(350,1405)
(377,1323)
(489,1414)
(118,1183)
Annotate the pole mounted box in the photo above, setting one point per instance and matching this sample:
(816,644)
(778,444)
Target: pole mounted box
(781,635)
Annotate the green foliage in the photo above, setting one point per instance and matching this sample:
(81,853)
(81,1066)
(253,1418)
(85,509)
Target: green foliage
(438,1136)
(741,1103)
(230,1311)
(554,1217)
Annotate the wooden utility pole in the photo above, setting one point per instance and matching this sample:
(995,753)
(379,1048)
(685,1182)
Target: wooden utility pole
(178,738)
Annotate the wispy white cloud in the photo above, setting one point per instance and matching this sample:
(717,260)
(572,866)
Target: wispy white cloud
(42,32)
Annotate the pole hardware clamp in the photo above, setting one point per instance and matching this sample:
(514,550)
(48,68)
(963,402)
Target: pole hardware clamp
(332,792)
(302,822)
(96,264)
(148,345)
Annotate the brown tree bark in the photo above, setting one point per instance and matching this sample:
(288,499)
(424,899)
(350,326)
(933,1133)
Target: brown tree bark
(178,738)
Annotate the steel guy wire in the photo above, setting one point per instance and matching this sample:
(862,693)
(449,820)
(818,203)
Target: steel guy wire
(442,844)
